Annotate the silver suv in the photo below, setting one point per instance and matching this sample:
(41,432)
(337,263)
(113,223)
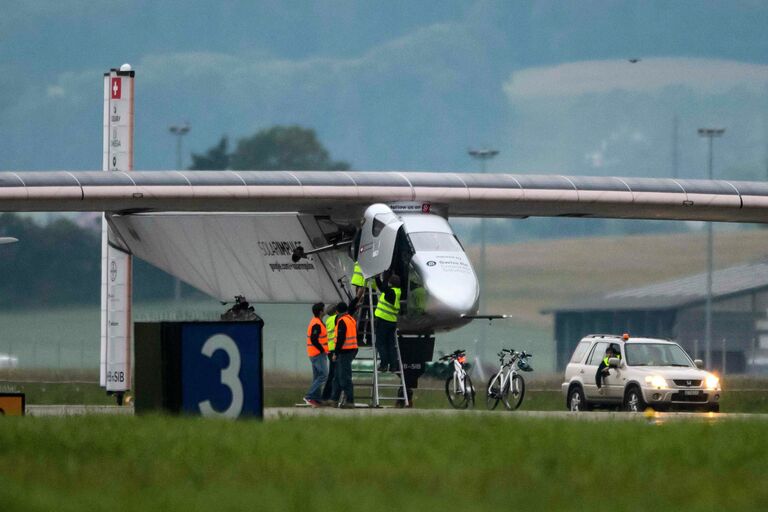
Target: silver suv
(649,373)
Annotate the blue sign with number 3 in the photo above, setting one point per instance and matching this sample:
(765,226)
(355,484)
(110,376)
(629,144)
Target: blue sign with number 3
(221,369)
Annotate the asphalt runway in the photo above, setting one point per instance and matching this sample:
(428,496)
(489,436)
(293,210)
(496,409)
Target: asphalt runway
(659,417)
(276,413)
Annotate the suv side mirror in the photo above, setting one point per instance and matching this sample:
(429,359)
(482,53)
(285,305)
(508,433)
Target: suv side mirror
(699,364)
(614,362)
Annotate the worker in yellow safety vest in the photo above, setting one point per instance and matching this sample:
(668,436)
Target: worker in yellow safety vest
(359,282)
(317,350)
(357,276)
(604,369)
(330,326)
(343,354)
(385,323)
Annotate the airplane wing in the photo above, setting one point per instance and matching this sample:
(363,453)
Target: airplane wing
(349,193)
(231,254)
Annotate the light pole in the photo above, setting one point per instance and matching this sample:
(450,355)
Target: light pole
(675,150)
(482,155)
(179,131)
(710,134)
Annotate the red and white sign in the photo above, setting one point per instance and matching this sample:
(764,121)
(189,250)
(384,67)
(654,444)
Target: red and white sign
(116,265)
(116,87)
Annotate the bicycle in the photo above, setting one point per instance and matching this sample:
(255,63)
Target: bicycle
(458,385)
(508,380)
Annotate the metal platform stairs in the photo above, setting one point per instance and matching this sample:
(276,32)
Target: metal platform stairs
(379,388)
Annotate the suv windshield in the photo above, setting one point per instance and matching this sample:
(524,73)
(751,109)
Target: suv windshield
(656,354)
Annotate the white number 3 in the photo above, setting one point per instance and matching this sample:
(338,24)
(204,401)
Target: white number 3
(229,376)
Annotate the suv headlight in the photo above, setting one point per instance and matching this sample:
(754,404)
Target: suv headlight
(656,381)
(712,381)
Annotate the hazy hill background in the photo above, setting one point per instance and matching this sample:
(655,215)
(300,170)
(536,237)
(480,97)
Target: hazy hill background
(397,85)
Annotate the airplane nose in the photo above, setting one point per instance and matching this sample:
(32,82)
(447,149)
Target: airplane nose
(454,297)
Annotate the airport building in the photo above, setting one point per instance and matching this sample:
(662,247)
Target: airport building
(676,310)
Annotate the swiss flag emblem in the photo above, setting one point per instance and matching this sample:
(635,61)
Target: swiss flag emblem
(117,88)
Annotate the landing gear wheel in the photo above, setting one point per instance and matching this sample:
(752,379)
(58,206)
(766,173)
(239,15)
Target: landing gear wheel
(577,401)
(714,408)
(513,393)
(633,400)
(493,392)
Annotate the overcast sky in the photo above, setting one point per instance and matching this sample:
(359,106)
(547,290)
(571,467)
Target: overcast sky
(398,84)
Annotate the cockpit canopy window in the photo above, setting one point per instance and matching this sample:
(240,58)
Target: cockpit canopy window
(378,225)
(427,241)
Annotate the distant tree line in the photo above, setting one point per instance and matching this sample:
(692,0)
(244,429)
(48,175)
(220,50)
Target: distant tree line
(60,263)
(272,149)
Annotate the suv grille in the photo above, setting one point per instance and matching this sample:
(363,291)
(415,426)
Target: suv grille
(682,397)
(688,383)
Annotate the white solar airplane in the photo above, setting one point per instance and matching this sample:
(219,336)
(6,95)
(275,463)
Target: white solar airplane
(231,233)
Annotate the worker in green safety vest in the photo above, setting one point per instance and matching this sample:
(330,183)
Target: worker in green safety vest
(417,299)
(359,282)
(330,325)
(604,369)
(357,276)
(386,314)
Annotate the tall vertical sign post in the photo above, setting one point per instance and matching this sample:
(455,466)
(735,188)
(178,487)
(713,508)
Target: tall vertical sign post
(116,322)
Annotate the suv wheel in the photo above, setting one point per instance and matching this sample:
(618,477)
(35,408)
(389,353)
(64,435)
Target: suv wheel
(577,401)
(633,400)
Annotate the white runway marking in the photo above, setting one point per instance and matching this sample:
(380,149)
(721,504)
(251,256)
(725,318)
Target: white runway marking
(283,412)
(77,410)
(276,413)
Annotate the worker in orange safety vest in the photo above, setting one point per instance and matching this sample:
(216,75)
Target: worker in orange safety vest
(344,353)
(317,348)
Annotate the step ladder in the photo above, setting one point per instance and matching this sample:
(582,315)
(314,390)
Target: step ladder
(362,317)
(383,386)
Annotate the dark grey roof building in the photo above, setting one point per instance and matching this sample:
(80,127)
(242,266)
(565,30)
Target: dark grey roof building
(675,309)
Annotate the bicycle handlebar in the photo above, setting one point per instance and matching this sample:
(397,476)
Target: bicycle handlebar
(455,355)
(514,355)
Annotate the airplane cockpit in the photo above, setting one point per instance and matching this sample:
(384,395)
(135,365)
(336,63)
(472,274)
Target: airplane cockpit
(440,288)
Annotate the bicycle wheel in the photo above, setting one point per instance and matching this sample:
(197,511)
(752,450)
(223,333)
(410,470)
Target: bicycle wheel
(493,392)
(469,391)
(453,391)
(513,392)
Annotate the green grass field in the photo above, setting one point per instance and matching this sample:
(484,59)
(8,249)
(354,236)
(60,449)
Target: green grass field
(492,462)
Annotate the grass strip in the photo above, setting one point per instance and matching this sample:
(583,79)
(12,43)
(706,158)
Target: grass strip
(380,463)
